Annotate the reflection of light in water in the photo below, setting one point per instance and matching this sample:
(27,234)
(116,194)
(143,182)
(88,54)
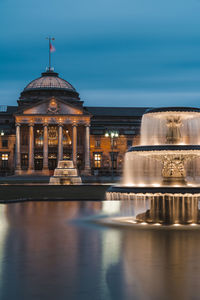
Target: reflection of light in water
(129,184)
(111,207)
(3,234)
(111,249)
(156,184)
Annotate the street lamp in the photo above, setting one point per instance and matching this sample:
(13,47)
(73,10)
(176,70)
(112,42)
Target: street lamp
(112,134)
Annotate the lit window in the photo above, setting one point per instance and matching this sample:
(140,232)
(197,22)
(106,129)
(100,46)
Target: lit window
(4,157)
(97,160)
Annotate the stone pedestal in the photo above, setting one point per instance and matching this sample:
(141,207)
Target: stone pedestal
(65,174)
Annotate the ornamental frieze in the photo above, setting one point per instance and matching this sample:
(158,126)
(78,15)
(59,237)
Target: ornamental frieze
(53,107)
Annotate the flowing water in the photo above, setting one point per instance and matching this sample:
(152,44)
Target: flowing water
(162,165)
(54,250)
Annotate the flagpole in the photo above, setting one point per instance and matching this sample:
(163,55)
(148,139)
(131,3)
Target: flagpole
(50,39)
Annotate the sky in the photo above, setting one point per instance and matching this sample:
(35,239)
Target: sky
(114,52)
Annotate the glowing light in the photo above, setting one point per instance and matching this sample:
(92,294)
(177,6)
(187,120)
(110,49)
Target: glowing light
(2,133)
(193,224)
(129,184)
(143,223)
(177,224)
(132,221)
(111,207)
(157,224)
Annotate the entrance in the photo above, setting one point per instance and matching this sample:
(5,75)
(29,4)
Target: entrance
(52,162)
(38,161)
(38,164)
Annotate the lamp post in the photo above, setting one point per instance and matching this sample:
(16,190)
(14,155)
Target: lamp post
(112,134)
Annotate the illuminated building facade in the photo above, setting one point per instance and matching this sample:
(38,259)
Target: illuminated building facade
(51,123)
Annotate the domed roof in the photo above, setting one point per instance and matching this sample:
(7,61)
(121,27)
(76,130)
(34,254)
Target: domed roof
(49,80)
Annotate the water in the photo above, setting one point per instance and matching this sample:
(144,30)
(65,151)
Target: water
(162,165)
(48,251)
(154,129)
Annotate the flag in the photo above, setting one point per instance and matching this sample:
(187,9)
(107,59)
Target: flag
(52,48)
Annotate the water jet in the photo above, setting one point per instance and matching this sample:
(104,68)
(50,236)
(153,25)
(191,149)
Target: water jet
(166,162)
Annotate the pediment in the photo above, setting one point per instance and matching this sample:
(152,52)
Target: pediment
(52,106)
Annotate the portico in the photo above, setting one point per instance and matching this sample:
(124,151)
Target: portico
(51,131)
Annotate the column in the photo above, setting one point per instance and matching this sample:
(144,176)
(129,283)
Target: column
(60,142)
(31,148)
(17,149)
(74,143)
(87,149)
(45,147)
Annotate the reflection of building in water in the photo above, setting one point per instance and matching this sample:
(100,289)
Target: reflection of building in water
(45,253)
(47,257)
(171,209)
(4,229)
(161,264)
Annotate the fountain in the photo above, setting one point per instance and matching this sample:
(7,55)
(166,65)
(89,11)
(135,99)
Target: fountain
(166,163)
(65,174)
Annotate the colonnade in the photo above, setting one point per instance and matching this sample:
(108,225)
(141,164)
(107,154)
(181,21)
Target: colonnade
(45,147)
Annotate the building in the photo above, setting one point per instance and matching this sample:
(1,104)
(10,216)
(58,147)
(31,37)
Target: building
(51,123)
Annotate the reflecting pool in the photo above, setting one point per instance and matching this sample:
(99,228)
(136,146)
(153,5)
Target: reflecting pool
(54,250)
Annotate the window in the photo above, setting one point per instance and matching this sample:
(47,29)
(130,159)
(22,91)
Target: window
(129,143)
(97,144)
(97,160)
(24,161)
(52,136)
(39,138)
(4,157)
(67,140)
(5,143)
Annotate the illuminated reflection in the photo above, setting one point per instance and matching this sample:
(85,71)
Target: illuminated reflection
(3,235)
(49,252)
(111,207)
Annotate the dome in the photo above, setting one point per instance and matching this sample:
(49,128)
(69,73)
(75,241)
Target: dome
(47,86)
(49,80)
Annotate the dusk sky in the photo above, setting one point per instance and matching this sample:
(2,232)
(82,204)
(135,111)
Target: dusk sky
(114,52)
